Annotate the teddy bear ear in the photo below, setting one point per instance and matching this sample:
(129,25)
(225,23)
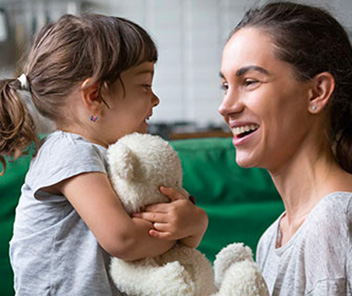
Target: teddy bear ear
(121,161)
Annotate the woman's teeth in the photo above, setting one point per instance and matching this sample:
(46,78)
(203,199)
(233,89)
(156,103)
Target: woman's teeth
(244,129)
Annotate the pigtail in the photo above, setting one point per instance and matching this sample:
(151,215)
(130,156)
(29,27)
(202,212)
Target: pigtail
(17,127)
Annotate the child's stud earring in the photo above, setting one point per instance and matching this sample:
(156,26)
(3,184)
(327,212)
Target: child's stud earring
(93,118)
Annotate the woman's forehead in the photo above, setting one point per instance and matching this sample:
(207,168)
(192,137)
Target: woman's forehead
(248,47)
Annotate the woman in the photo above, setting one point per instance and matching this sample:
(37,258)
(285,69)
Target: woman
(287,78)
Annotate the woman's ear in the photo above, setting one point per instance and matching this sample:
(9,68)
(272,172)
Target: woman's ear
(91,98)
(323,85)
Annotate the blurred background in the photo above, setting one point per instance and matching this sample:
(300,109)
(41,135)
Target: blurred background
(190,35)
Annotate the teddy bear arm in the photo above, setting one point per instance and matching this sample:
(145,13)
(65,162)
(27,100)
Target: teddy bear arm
(243,279)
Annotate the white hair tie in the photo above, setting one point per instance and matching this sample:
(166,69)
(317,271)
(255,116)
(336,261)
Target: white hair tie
(24,82)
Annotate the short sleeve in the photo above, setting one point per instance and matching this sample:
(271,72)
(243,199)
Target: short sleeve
(63,156)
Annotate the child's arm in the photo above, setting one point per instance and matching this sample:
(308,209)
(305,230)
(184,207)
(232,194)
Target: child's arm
(180,219)
(93,197)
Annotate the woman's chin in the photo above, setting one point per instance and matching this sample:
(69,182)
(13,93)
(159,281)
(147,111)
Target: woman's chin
(244,165)
(245,162)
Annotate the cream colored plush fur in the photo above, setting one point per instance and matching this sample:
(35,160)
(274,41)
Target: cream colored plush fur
(138,165)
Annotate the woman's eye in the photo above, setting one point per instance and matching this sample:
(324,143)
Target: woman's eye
(224,86)
(250,82)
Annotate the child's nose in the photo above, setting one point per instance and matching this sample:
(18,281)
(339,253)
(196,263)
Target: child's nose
(155,100)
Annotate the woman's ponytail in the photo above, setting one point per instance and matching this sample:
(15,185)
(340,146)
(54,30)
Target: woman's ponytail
(343,149)
(17,127)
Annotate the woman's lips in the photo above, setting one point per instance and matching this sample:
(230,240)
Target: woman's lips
(242,134)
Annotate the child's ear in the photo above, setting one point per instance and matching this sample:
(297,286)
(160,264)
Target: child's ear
(323,85)
(90,96)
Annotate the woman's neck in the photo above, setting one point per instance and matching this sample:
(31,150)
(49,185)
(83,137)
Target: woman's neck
(305,179)
(302,182)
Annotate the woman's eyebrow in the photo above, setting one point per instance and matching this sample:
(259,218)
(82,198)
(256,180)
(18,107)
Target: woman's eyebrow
(245,69)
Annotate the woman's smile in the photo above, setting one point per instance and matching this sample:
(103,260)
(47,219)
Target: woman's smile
(242,133)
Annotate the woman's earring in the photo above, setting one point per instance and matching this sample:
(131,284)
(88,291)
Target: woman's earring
(314,108)
(93,118)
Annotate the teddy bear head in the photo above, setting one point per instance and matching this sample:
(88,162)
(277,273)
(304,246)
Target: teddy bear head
(138,165)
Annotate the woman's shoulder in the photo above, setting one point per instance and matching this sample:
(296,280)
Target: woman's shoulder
(334,207)
(325,243)
(330,221)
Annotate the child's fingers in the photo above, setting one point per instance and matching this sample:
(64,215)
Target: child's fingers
(161,235)
(172,193)
(151,217)
(163,227)
(159,208)
(166,208)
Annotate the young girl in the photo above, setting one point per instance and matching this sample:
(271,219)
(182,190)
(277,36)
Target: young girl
(91,75)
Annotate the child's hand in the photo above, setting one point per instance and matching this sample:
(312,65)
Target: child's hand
(178,220)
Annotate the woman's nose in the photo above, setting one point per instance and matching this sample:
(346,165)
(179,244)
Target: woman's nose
(223,108)
(230,104)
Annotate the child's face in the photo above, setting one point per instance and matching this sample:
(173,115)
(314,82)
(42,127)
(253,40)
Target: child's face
(131,102)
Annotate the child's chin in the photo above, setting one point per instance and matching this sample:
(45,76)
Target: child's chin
(143,129)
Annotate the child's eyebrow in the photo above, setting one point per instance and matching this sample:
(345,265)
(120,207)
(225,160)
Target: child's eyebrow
(145,72)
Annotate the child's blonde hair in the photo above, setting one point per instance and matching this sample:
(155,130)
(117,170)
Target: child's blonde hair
(64,54)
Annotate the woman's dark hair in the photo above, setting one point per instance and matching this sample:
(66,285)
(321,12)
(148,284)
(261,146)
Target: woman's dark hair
(64,54)
(313,41)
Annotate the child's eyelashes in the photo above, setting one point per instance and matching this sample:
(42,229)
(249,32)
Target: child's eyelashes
(147,86)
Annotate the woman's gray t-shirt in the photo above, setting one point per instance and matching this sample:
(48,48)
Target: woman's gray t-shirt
(317,261)
(52,251)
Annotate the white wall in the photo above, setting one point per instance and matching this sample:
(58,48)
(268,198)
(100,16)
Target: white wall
(190,35)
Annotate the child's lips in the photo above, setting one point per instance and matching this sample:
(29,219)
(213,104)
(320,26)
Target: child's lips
(148,117)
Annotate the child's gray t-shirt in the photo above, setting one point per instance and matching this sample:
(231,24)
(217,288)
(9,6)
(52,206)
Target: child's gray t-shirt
(52,251)
(317,261)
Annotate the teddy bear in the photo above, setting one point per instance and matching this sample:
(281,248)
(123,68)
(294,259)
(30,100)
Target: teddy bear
(138,164)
